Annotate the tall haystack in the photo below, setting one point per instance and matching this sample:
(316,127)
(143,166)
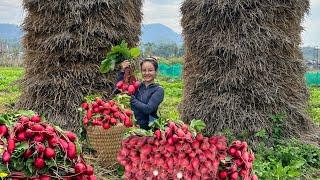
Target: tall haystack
(65,42)
(243,64)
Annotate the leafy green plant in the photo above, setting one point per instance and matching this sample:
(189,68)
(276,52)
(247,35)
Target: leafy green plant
(118,54)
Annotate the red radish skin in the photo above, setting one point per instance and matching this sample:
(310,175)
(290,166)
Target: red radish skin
(80,168)
(40,148)
(6,157)
(72,137)
(36,119)
(89,170)
(11,145)
(39,163)
(49,153)
(85,105)
(131,89)
(3,130)
(223,175)
(22,136)
(72,151)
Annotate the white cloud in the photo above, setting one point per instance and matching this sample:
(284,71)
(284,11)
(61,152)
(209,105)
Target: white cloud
(11,11)
(165,12)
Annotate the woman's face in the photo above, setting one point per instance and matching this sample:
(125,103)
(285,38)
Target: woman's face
(148,72)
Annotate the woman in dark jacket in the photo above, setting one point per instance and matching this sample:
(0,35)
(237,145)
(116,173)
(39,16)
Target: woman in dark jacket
(146,100)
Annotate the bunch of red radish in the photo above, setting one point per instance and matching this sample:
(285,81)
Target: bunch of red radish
(106,114)
(240,163)
(128,88)
(176,154)
(44,143)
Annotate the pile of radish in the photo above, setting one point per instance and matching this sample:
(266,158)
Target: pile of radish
(179,152)
(32,148)
(106,114)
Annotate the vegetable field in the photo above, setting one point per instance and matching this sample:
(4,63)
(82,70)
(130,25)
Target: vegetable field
(285,160)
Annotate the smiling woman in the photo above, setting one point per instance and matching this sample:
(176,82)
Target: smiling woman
(146,100)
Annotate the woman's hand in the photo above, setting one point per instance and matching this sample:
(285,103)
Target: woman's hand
(124,65)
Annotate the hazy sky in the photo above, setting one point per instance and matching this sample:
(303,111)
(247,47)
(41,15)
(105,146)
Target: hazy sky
(167,12)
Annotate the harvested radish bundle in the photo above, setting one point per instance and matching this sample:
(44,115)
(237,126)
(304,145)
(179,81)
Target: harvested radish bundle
(180,151)
(129,84)
(32,148)
(107,113)
(117,55)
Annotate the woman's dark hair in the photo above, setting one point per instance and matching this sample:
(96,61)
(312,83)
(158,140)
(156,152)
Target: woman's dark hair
(152,60)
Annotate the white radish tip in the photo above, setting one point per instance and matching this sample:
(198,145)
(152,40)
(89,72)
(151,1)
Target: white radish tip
(155,172)
(179,175)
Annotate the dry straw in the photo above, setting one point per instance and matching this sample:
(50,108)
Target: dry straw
(243,63)
(65,42)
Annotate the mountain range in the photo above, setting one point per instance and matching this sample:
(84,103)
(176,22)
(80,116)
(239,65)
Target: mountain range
(151,33)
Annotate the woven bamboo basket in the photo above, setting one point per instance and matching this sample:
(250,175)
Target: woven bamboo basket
(107,143)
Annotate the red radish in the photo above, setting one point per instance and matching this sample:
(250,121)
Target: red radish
(125,87)
(112,102)
(49,153)
(18,127)
(199,137)
(36,118)
(89,114)
(128,122)
(38,138)
(173,126)
(234,176)
(21,136)
(106,125)
(11,145)
(232,151)
(37,127)
(3,130)
(120,85)
(53,141)
(72,137)
(40,148)
(131,89)
(6,157)
(237,144)
(89,170)
(39,163)
(185,128)
(254,177)
(72,150)
(223,175)
(85,120)
(195,163)
(63,144)
(136,84)
(28,153)
(95,110)
(128,112)
(113,121)
(23,119)
(99,101)
(251,157)
(85,105)
(29,133)
(157,134)
(180,133)
(80,168)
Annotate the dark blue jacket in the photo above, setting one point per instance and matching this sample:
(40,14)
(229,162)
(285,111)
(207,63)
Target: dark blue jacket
(145,102)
